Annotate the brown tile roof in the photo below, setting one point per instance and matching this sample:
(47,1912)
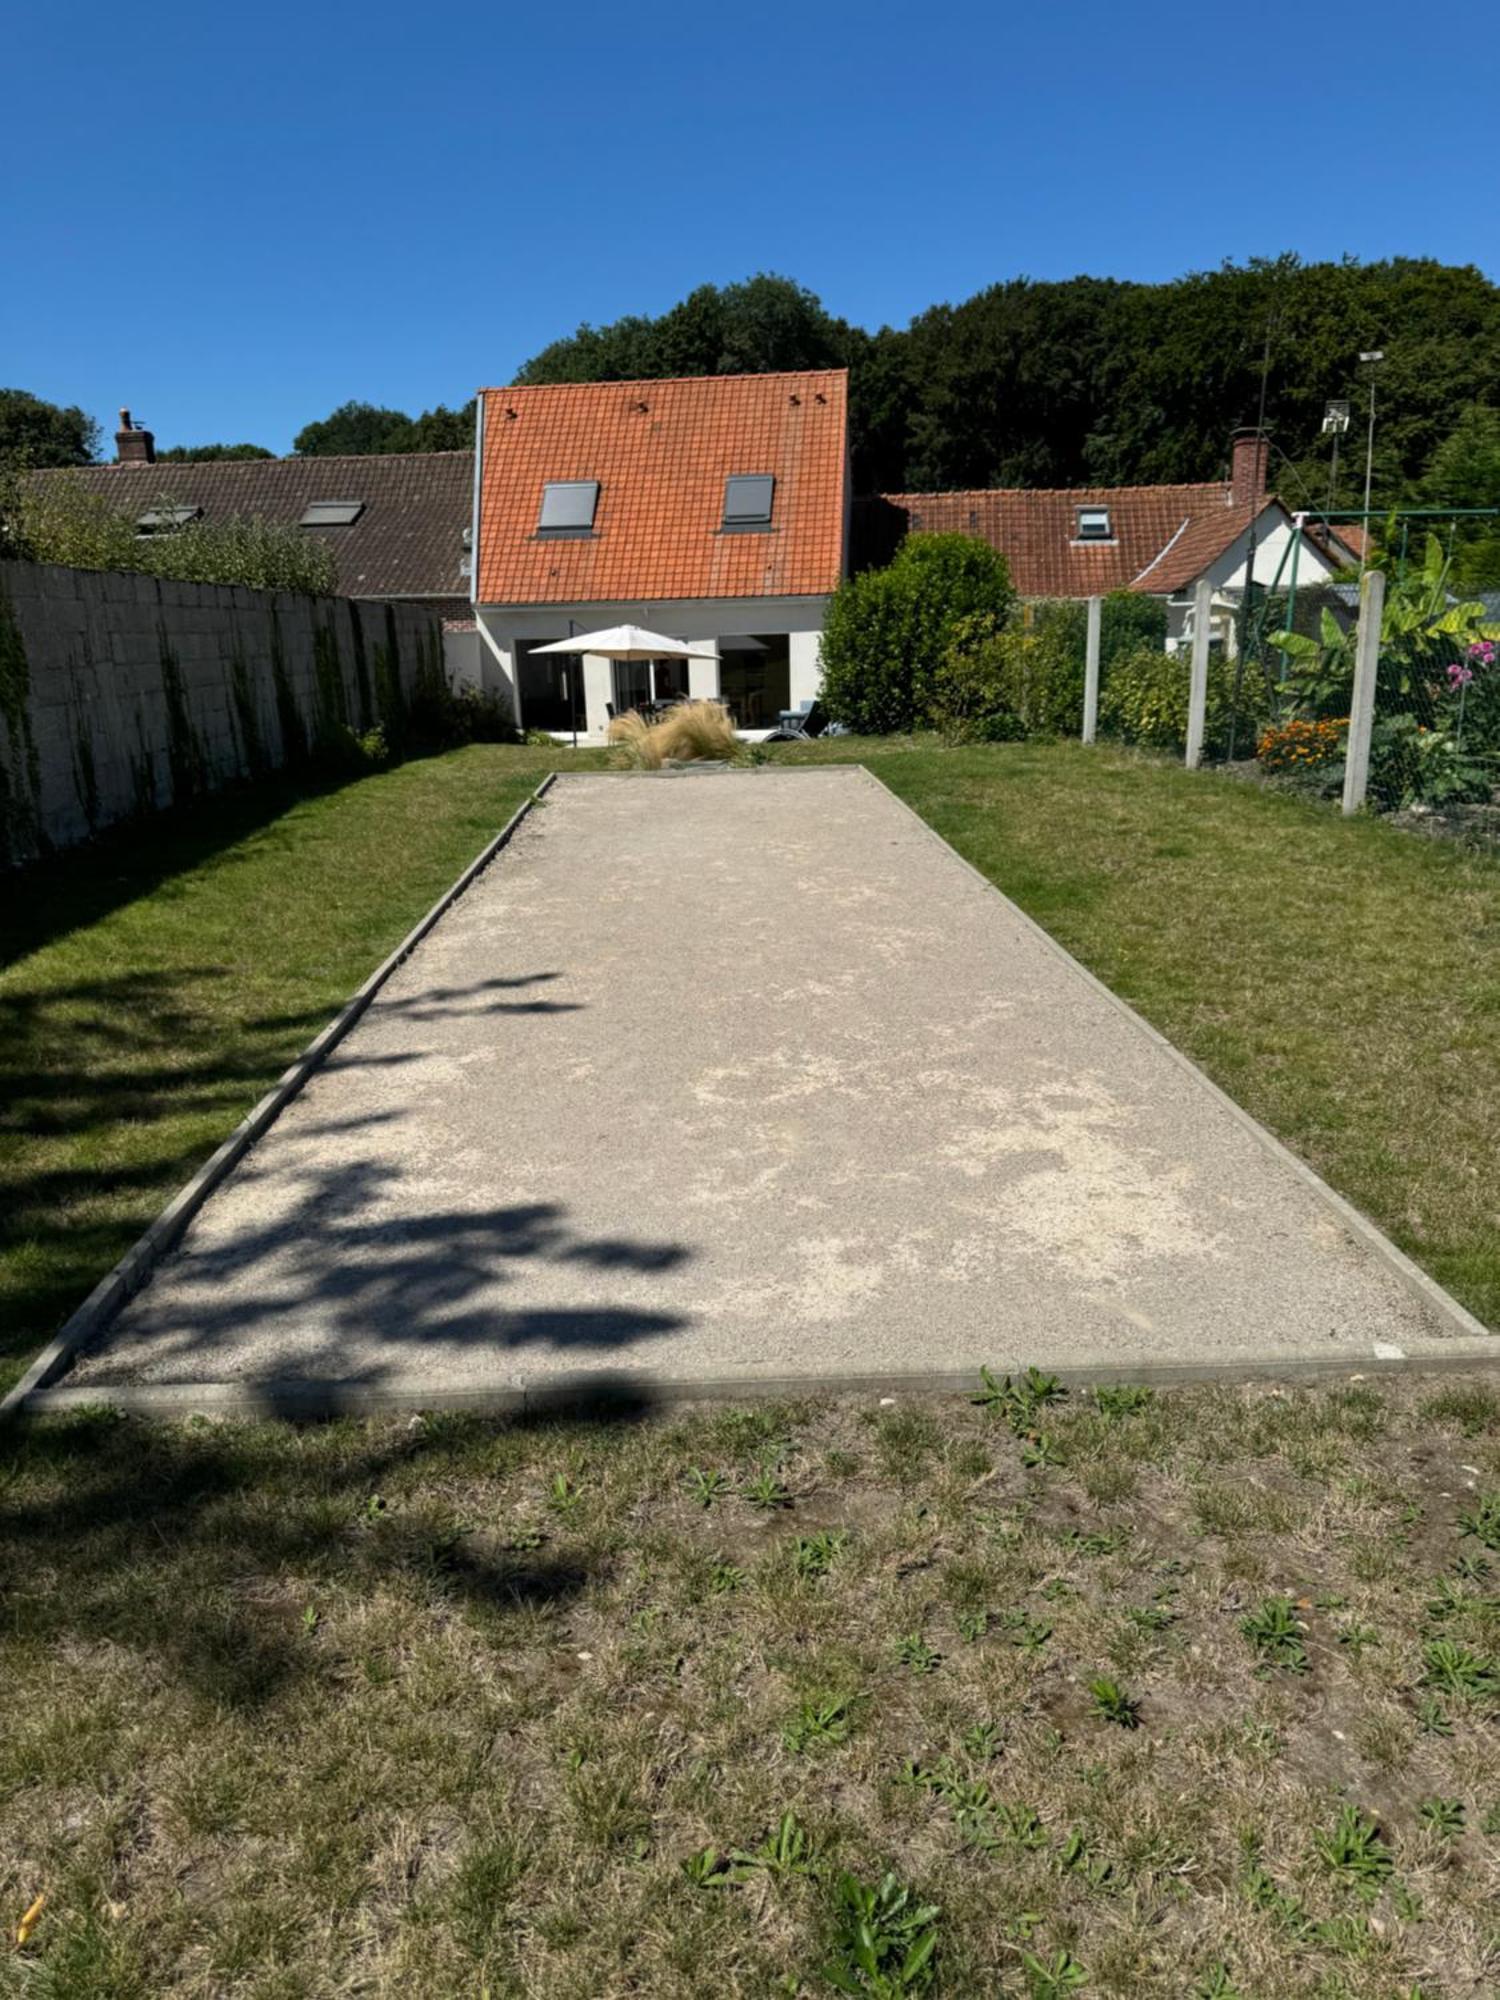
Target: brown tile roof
(1161,536)
(408,542)
(661,452)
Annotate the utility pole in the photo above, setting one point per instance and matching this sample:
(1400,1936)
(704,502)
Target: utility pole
(1372,359)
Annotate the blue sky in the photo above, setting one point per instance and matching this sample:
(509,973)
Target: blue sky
(234,219)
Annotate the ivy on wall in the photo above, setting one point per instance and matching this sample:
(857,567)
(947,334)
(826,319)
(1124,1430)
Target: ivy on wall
(20,767)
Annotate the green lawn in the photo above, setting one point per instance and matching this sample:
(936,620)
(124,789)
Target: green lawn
(1341,980)
(549,1711)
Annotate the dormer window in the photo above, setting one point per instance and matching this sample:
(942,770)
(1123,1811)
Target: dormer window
(1093,525)
(747,502)
(568,507)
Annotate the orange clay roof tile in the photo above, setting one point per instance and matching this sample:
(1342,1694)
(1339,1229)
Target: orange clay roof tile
(661,452)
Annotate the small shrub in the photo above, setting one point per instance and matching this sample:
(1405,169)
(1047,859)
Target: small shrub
(995,685)
(1144,699)
(346,752)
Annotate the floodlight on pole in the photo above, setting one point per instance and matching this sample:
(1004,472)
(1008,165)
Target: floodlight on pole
(1335,423)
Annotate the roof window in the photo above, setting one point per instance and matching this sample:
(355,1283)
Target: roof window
(747,501)
(331,513)
(1093,525)
(568,507)
(165,520)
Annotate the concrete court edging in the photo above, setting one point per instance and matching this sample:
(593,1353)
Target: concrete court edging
(1474,1344)
(136,1266)
(1425,1289)
(304,1401)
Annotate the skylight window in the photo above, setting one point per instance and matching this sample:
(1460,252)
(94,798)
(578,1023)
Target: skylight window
(568,507)
(747,501)
(331,513)
(165,520)
(1093,525)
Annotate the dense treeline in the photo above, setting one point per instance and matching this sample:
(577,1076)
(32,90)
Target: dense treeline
(1087,381)
(1107,382)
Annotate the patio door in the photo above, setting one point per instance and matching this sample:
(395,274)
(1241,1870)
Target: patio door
(550,688)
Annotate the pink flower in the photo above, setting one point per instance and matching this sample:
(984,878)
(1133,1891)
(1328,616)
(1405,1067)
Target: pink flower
(1459,675)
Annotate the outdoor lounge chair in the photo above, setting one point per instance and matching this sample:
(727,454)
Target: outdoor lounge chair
(799,724)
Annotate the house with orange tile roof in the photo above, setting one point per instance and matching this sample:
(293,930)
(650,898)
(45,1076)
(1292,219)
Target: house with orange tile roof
(1159,540)
(712,509)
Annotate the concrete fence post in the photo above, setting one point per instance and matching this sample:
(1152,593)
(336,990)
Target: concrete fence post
(1362,700)
(1198,679)
(1091,671)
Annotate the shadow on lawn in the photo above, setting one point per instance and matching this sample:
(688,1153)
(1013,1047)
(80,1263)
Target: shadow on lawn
(112,1091)
(198,1546)
(77,887)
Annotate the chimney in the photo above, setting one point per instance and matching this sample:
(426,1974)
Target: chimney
(1252,455)
(133,444)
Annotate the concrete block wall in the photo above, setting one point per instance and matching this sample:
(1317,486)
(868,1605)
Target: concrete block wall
(121,694)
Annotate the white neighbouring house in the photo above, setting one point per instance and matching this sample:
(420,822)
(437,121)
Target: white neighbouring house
(713,509)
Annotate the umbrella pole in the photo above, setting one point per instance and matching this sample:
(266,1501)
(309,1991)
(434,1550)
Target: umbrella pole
(573,685)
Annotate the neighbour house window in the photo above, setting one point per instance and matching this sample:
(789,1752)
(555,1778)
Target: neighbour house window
(568,507)
(747,502)
(1093,524)
(331,513)
(165,520)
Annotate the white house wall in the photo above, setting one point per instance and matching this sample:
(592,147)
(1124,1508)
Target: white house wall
(1228,572)
(699,622)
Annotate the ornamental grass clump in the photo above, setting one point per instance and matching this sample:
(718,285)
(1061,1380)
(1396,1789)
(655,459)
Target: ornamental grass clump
(693,731)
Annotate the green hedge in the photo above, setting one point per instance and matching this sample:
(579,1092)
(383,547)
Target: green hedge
(888,630)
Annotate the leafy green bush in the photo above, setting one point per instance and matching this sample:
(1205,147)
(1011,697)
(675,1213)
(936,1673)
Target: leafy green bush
(55,521)
(1144,699)
(995,685)
(1128,620)
(888,630)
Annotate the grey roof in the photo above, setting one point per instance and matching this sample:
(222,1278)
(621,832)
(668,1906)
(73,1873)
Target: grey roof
(407,542)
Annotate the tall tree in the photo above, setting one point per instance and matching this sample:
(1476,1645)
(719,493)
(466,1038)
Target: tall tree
(354,430)
(34,432)
(364,429)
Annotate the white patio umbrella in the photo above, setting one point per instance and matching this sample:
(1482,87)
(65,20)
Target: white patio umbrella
(627,642)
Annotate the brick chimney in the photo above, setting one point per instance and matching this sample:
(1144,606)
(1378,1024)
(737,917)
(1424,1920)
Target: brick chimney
(134,445)
(1252,455)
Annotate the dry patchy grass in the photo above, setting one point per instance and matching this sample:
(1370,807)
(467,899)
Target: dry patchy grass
(462,1706)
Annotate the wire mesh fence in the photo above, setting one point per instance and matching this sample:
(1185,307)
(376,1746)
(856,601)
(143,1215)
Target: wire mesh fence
(1279,671)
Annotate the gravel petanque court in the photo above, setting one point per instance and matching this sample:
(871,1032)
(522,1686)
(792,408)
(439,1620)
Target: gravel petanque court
(745,1074)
